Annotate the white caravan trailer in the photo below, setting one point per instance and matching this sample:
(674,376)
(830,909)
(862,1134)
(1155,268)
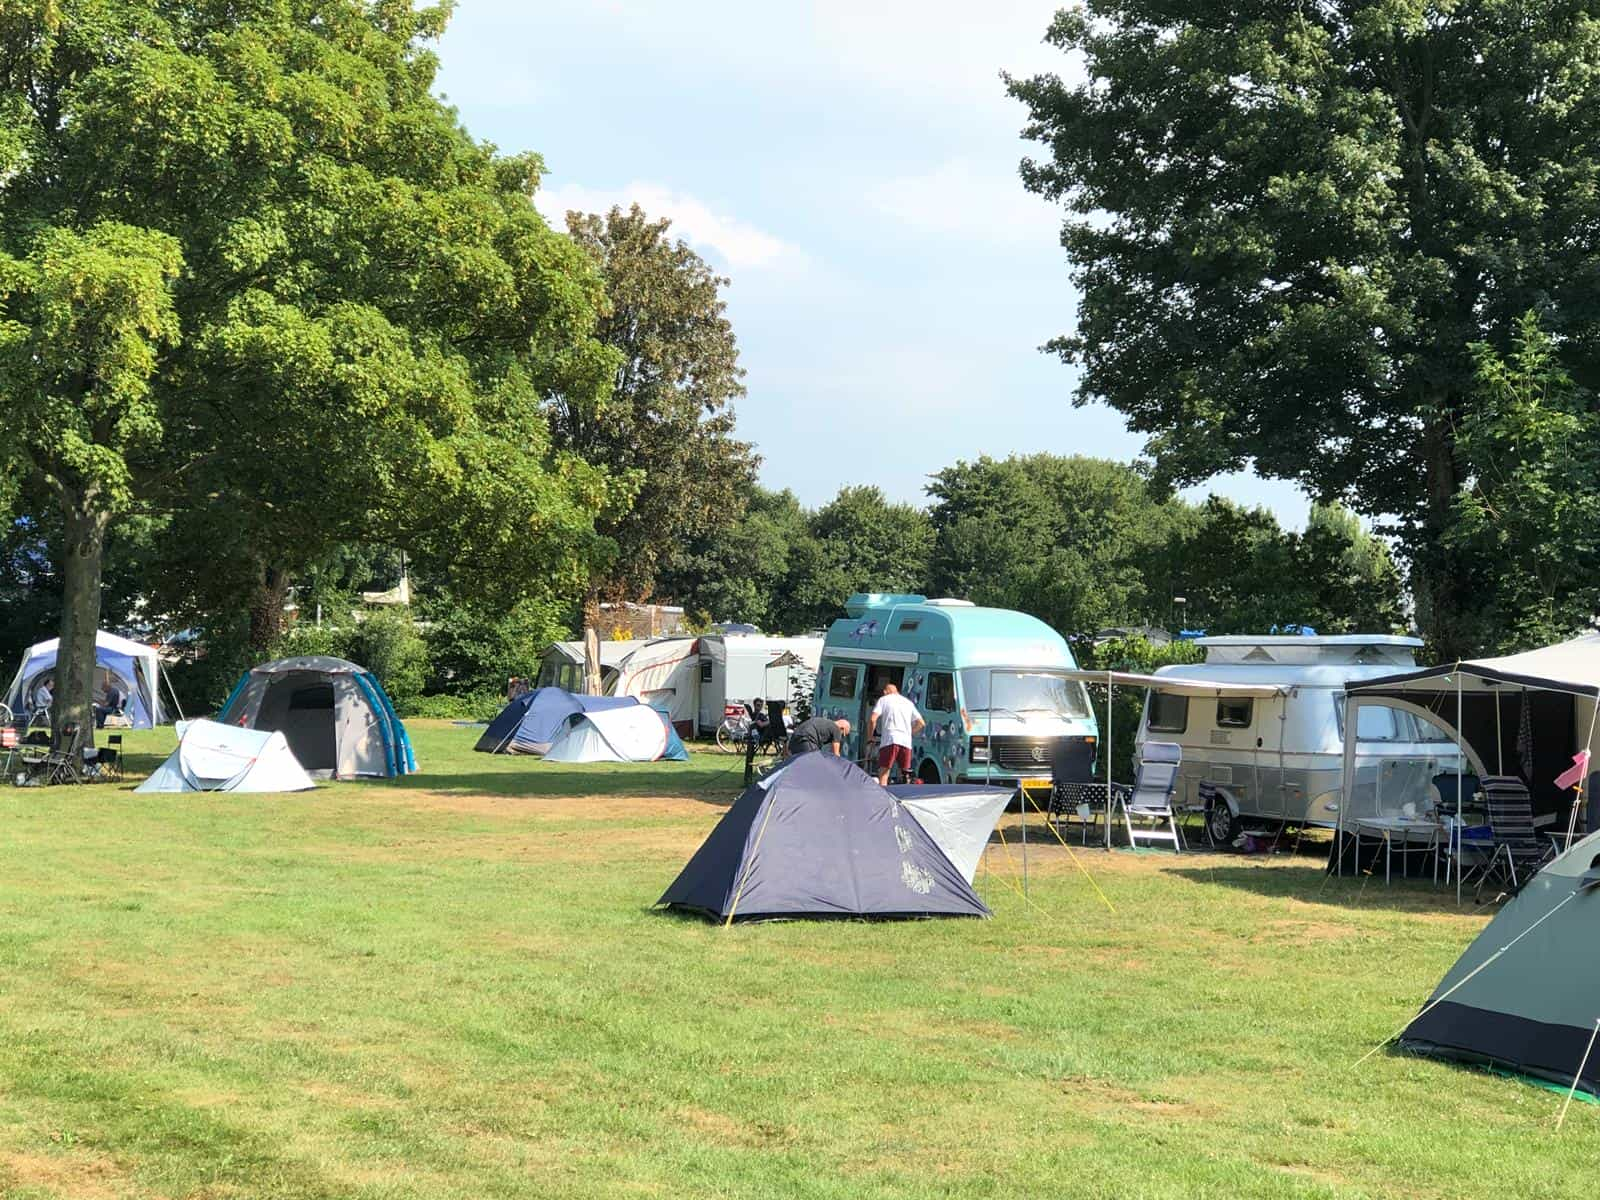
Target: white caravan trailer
(1279,760)
(665,674)
(737,668)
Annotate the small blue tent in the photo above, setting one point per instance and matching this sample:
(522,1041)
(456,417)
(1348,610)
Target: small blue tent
(531,722)
(820,838)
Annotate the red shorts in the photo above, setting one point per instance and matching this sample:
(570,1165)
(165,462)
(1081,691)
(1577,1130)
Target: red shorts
(888,756)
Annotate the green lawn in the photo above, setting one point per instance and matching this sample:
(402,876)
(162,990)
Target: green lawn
(454,986)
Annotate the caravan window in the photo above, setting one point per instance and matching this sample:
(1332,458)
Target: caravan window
(1235,714)
(707,668)
(1168,713)
(842,681)
(1375,724)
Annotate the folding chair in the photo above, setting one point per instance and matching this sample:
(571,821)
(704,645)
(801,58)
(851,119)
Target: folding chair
(1150,799)
(106,761)
(1073,791)
(1517,852)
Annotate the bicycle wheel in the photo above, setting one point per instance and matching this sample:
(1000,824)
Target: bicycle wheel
(729,741)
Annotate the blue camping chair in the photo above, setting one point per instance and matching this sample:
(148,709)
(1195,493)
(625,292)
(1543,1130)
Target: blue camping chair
(1149,801)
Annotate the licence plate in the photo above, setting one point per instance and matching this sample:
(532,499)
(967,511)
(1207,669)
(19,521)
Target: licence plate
(1034,783)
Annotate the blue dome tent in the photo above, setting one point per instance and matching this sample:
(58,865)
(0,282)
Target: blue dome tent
(535,719)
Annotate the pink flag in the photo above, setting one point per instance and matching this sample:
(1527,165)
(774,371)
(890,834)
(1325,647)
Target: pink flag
(1573,775)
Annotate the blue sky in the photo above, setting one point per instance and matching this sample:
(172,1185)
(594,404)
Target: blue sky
(853,169)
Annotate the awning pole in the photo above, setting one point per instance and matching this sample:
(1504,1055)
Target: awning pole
(1108,759)
(1461,764)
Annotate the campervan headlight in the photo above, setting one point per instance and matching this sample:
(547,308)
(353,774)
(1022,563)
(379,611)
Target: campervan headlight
(980,750)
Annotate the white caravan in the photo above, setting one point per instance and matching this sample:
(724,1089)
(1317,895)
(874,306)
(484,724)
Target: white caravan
(736,668)
(665,674)
(1279,760)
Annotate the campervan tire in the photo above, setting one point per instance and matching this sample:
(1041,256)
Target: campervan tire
(1221,825)
(928,772)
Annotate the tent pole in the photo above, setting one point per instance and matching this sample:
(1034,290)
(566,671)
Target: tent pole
(1108,758)
(1347,784)
(1461,763)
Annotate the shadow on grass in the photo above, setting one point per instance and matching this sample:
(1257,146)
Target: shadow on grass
(1311,884)
(538,779)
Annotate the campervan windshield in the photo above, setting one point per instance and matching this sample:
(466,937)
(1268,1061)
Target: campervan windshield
(1021,692)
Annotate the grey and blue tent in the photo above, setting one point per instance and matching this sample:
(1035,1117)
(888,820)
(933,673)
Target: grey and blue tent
(820,838)
(531,722)
(335,715)
(1525,996)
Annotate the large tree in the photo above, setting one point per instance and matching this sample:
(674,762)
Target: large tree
(668,427)
(1291,220)
(257,276)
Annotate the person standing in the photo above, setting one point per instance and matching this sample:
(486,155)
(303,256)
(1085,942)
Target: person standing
(894,720)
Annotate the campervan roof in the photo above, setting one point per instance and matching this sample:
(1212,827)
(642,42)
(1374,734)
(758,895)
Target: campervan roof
(1351,649)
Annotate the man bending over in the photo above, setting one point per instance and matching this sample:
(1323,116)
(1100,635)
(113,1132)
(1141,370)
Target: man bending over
(817,733)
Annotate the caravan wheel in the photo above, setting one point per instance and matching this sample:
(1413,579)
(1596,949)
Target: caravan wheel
(1221,825)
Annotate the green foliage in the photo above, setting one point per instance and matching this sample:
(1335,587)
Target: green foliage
(387,643)
(1138,654)
(1067,539)
(468,706)
(472,650)
(1529,519)
(1288,223)
(737,572)
(667,430)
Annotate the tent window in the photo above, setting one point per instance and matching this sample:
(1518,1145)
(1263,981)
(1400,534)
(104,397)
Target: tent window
(842,682)
(1168,713)
(1235,714)
(706,670)
(941,691)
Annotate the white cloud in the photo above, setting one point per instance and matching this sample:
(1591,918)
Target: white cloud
(961,197)
(735,243)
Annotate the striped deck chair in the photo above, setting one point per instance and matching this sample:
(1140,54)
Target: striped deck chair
(1518,851)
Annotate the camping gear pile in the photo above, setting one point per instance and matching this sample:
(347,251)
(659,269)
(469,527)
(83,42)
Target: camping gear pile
(577,729)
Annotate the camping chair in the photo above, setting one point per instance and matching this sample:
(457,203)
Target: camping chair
(1073,789)
(104,762)
(1150,799)
(1517,851)
(775,734)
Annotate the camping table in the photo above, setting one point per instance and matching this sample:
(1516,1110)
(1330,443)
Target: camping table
(1388,828)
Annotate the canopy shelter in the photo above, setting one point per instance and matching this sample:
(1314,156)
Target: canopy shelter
(1523,714)
(1523,997)
(212,757)
(335,715)
(531,722)
(819,838)
(127,668)
(631,733)
(1173,685)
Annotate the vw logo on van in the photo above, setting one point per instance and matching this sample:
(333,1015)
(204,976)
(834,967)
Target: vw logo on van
(1036,753)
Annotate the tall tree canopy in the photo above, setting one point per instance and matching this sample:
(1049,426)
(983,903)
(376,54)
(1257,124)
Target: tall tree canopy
(1290,222)
(668,427)
(253,273)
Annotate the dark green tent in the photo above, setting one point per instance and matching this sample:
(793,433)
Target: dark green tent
(1525,997)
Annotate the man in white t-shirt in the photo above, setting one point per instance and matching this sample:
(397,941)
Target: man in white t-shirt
(894,719)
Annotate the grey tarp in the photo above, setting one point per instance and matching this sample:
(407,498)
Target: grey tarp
(1532,1005)
(820,838)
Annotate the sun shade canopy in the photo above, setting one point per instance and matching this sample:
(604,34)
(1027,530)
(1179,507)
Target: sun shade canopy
(1175,685)
(1572,667)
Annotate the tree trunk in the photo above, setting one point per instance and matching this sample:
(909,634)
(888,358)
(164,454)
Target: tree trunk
(82,559)
(591,644)
(266,610)
(1440,568)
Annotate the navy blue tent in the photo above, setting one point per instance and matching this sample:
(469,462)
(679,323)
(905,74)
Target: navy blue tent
(820,838)
(535,719)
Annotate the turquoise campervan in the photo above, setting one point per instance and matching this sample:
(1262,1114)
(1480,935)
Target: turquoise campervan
(989,683)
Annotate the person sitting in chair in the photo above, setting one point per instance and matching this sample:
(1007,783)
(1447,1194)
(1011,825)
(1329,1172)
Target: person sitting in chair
(110,706)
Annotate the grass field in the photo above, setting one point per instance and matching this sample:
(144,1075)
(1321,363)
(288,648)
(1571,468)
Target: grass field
(454,986)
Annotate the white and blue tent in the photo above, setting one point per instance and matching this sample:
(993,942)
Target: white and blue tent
(212,757)
(132,668)
(632,733)
(534,719)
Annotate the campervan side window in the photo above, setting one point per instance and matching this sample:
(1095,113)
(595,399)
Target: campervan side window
(909,624)
(1235,714)
(842,682)
(941,691)
(1168,713)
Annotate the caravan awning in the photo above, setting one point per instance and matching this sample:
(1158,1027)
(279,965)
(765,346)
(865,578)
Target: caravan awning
(1176,685)
(1572,667)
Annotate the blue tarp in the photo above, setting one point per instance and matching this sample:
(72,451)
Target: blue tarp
(820,838)
(531,722)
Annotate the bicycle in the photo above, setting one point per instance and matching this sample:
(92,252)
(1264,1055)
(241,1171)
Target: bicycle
(735,728)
